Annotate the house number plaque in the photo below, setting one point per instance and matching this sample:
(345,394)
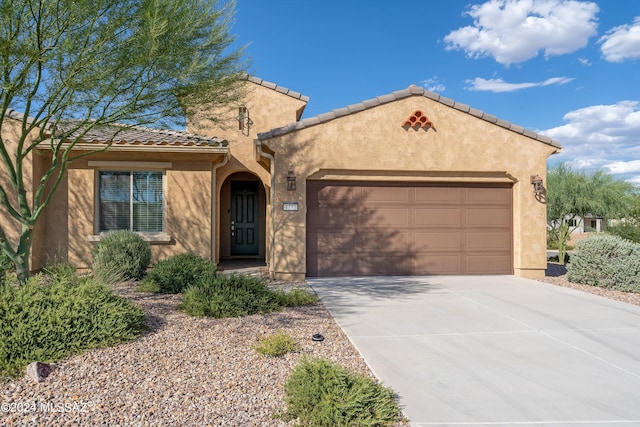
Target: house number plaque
(290,206)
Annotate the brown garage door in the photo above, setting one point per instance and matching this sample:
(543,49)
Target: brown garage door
(407,229)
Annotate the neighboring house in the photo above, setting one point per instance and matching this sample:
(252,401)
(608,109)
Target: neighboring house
(590,223)
(406,183)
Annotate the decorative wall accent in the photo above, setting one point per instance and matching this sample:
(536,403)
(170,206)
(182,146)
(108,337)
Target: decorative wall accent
(417,120)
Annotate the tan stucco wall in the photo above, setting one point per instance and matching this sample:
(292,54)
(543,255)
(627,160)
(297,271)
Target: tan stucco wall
(372,145)
(187,198)
(268,109)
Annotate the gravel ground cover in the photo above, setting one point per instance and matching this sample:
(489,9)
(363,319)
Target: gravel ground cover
(556,274)
(189,371)
(185,371)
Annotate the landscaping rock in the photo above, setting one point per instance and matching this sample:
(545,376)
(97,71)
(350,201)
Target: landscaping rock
(39,371)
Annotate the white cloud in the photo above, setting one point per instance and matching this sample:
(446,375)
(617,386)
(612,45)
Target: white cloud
(433,84)
(514,31)
(619,167)
(585,62)
(499,85)
(622,43)
(601,136)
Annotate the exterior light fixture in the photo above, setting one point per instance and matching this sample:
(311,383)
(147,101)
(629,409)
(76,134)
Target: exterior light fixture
(538,187)
(244,121)
(291,181)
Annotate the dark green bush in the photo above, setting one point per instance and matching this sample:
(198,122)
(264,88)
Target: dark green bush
(230,295)
(121,255)
(173,275)
(53,316)
(319,393)
(606,261)
(626,231)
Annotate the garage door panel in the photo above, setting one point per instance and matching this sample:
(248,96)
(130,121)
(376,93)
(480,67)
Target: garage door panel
(437,217)
(438,241)
(336,217)
(488,195)
(387,228)
(383,240)
(488,240)
(486,264)
(437,194)
(386,195)
(387,217)
(486,217)
(327,242)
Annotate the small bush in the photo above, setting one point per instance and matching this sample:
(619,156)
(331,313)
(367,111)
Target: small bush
(51,317)
(231,295)
(296,297)
(5,265)
(173,275)
(277,344)
(319,393)
(121,255)
(606,261)
(626,231)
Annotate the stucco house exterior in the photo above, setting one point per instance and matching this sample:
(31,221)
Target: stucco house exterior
(406,183)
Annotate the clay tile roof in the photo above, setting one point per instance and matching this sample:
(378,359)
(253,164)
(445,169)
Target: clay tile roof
(277,88)
(134,135)
(412,90)
(139,135)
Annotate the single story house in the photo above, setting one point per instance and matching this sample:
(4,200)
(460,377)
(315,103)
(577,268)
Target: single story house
(406,183)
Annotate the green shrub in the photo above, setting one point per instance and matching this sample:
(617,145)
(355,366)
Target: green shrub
(606,261)
(277,344)
(51,317)
(296,297)
(173,275)
(60,269)
(319,393)
(230,295)
(5,265)
(626,231)
(121,255)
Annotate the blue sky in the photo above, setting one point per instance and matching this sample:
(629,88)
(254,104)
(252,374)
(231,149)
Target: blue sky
(565,68)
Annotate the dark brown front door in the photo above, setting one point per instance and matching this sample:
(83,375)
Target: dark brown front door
(408,228)
(244,218)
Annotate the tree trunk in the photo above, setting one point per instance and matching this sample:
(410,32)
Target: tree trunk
(21,260)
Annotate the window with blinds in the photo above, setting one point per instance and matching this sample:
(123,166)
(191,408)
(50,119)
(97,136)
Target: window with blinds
(131,201)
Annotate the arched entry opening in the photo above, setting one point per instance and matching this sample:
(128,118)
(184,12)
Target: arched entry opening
(243,207)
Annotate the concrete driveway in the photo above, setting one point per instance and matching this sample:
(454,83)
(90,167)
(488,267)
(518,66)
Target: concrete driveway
(493,350)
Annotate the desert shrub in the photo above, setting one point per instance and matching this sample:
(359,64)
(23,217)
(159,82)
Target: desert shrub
(173,275)
(5,265)
(230,295)
(319,393)
(60,269)
(296,297)
(121,255)
(606,261)
(626,231)
(53,316)
(277,344)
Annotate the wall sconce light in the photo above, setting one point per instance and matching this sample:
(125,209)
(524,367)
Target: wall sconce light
(291,181)
(538,188)
(244,121)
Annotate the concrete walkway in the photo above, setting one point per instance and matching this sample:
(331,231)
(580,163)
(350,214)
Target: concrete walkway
(494,350)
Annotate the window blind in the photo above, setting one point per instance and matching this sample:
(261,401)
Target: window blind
(131,201)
